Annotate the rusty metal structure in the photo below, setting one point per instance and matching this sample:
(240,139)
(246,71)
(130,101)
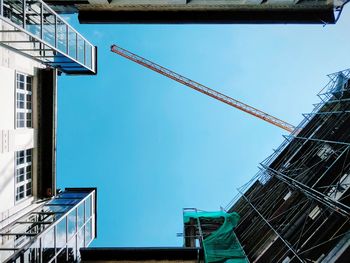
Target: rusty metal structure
(203,89)
(297,207)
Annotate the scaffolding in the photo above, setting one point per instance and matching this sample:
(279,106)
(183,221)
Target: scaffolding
(213,232)
(297,207)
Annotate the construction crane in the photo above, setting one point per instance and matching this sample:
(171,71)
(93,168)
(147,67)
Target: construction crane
(203,89)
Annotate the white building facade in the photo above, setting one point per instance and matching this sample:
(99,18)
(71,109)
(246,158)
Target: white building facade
(19,117)
(36,45)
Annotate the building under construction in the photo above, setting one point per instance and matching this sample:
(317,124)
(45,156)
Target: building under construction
(296,208)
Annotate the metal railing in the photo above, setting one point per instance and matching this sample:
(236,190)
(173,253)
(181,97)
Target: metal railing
(52,40)
(55,231)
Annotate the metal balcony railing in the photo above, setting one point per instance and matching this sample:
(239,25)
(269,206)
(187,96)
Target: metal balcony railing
(34,29)
(52,232)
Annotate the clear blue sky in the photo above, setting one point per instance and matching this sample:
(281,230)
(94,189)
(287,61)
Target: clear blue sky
(152,146)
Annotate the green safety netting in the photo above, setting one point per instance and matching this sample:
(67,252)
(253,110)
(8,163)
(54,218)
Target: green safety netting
(222,245)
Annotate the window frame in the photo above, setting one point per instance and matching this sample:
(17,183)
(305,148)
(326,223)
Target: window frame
(22,119)
(23,176)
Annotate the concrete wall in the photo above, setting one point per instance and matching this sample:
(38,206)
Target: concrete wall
(12,139)
(141,261)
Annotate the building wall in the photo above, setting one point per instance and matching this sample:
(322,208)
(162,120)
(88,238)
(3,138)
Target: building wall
(142,254)
(14,139)
(141,261)
(199,11)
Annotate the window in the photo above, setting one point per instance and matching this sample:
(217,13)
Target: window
(23,101)
(23,174)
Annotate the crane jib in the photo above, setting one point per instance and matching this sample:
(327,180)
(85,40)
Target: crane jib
(203,89)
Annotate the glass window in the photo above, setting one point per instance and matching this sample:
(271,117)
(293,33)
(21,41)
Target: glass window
(72,223)
(28,172)
(48,244)
(20,175)
(29,119)
(88,232)
(81,218)
(20,77)
(24,101)
(72,195)
(29,83)
(62,201)
(72,45)
(88,55)
(29,101)
(29,155)
(20,157)
(20,101)
(20,120)
(88,208)
(20,81)
(56,209)
(23,174)
(61,236)
(19,192)
(49,26)
(61,35)
(34,19)
(81,49)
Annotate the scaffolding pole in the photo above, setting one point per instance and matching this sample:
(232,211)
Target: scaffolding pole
(272,228)
(317,140)
(314,194)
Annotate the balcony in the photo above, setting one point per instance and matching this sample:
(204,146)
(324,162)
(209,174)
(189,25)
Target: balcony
(32,28)
(54,231)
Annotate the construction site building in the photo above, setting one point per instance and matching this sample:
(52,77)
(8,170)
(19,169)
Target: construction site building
(297,207)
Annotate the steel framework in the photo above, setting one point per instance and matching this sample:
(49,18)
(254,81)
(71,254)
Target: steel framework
(203,89)
(297,207)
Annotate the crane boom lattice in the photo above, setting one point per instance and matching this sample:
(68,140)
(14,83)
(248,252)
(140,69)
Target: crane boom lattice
(203,89)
